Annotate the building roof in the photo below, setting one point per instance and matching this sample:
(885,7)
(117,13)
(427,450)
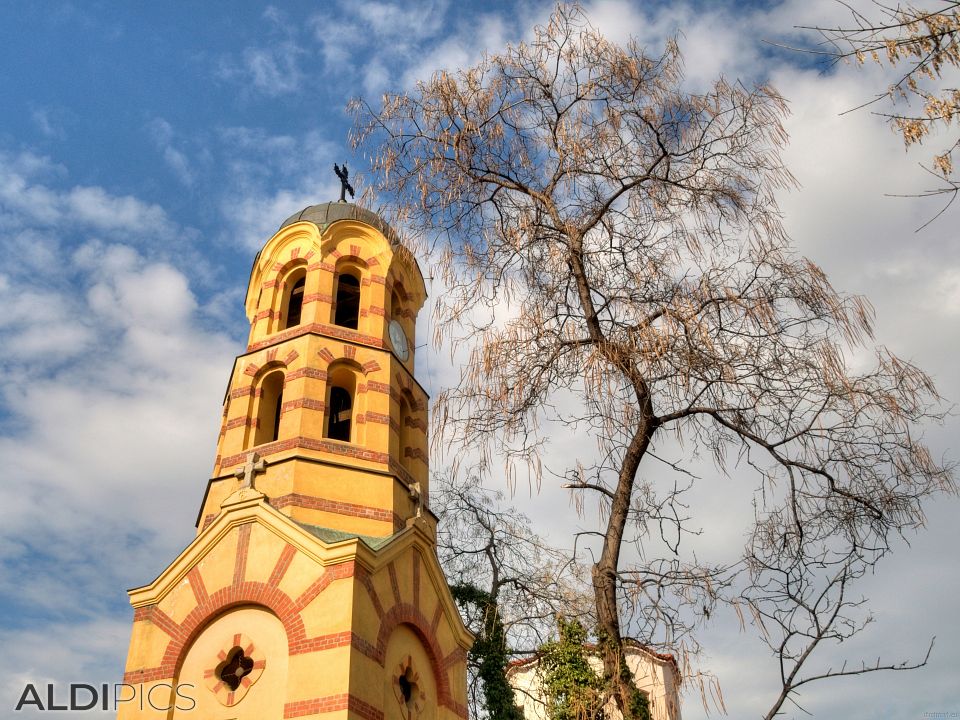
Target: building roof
(330,536)
(325,213)
(629,644)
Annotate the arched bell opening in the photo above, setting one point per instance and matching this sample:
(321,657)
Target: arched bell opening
(346,306)
(292,313)
(269,406)
(340,418)
(406,434)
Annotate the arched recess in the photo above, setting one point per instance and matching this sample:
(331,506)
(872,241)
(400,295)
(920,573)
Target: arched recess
(269,398)
(410,687)
(407,431)
(347,284)
(398,310)
(291,299)
(205,676)
(340,421)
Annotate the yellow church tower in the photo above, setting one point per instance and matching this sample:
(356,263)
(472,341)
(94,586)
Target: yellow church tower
(312,588)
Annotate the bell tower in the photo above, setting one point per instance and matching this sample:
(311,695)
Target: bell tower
(312,588)
(325,392)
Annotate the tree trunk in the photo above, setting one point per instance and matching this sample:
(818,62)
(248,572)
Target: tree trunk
(604,572)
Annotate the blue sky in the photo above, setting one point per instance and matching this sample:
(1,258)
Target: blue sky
(148,149)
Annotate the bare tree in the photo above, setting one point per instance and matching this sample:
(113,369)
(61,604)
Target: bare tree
(509,583)
(614,255)
(798,610)
(923,44)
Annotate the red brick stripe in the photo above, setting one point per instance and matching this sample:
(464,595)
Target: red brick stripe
(165,623)
(331,446)
(332,703)
(319,329)
(331,573)
(283,562)
(416,578)
(334,506)
(197,585)
(394,585)
(307,372)
(321,642)
(243,544)
(367,582)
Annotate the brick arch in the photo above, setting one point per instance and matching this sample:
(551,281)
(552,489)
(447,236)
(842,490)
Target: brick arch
(273,362)
(348,357)
(279,270)
(406,388)
(241,593)
(411,617)
(355,256)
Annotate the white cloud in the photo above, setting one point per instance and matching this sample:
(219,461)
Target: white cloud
(271,70)
(48,122)
(376,78)
(25,202)
(401,22)
(274,177)
(274,70)
(463,48)
(111,390)
(161,132)
(85,653)
(102,211)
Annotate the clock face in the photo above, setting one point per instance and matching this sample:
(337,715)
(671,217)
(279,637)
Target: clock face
(398,338)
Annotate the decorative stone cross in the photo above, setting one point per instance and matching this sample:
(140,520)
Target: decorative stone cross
(253,467)
(417,496)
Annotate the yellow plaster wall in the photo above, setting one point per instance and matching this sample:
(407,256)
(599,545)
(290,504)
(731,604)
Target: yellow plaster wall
(179,602)
(217,566)
(303,571)
(319,674)
(262,554)
(331,611)
(147,645)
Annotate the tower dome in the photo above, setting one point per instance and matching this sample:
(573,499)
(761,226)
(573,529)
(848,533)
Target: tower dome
(325,213)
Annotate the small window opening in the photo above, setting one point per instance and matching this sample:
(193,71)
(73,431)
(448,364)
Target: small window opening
(295,304)
(396,307)
(276,417)
(406,436)
(341,406)
(407,686)
(347,310)
(271,404)
(237,667)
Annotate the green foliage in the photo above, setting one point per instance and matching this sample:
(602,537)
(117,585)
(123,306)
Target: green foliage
(638,703)
(573,690)
(489,654)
